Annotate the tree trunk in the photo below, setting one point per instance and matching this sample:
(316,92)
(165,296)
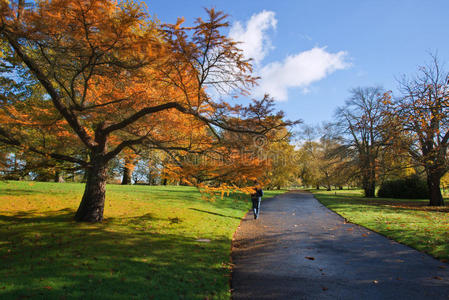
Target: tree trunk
(126,175)
(369,184)
(92,205)
(433,182)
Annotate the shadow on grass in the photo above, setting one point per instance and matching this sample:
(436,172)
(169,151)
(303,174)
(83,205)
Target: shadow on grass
(18,192)
(213,213)
(50,256)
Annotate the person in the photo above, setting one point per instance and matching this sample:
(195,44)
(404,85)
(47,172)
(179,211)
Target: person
(256,197)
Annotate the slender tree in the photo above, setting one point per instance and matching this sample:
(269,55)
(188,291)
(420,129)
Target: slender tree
(360,123)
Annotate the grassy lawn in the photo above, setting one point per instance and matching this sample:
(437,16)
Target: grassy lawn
(147,247)
(409,222)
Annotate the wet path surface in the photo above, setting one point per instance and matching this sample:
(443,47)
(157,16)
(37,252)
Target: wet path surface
(298,249)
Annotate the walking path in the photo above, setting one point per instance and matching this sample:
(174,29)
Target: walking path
(298,249)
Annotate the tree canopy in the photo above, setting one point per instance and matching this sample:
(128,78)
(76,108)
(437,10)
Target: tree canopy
(92,78)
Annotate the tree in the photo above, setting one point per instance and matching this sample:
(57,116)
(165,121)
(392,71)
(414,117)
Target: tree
(421,116)
(112,79)
(284,168)
(360,123)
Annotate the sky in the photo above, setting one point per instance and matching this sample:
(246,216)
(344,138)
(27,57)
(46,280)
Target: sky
(311,53)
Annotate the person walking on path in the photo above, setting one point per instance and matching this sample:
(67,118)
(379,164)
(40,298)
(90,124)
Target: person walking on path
(256,197)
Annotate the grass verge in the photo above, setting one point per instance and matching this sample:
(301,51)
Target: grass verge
(159,242)
(410,222)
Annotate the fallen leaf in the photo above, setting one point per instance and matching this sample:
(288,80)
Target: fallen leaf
(375,281)
(437,278)
(48,287)
(325,288)
(310,257)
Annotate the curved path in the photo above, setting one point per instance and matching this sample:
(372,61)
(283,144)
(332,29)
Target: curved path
(298,249)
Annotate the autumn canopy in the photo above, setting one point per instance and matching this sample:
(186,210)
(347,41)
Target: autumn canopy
(84,80)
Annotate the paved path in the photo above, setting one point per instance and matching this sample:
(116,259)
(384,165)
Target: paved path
(345,261)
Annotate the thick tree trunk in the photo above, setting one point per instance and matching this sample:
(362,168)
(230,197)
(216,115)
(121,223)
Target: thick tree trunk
(433,182)
(126,175)
(92,204)
(369,187)
(369,183)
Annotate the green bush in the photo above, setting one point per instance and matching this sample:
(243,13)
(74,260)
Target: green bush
(412,187)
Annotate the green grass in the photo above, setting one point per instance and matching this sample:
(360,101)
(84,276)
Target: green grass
(409,222)
(146,248)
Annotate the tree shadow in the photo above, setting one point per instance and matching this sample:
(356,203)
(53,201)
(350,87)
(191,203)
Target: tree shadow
(49,256)
(213,213)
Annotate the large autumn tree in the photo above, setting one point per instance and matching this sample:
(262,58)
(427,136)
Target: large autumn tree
(419,123)
(110,78)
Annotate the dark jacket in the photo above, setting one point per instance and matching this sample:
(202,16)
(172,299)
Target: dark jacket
(258,193)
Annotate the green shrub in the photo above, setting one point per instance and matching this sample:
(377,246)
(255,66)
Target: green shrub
(412,187)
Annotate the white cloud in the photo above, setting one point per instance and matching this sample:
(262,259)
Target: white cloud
(295,71)
(253,37)
(299,71)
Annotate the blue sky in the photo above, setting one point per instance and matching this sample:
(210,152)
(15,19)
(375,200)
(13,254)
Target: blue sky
(311,53)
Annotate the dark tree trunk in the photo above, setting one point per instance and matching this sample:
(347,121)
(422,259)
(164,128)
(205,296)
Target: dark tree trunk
(433,182)
(126,175)
(369,183)
(317,187)
(92,204)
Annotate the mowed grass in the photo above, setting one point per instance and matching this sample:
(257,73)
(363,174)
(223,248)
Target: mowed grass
(409,222)
(147,247)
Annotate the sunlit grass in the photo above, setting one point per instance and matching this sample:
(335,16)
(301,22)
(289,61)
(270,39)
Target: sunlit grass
(146,248)
(410,222)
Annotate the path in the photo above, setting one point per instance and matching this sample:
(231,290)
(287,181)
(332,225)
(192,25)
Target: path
(298,249)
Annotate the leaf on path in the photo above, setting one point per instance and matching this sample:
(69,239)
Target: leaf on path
(364,235)
(437,278)
(375,281)
(442,267)
(324,288)
(310,258)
